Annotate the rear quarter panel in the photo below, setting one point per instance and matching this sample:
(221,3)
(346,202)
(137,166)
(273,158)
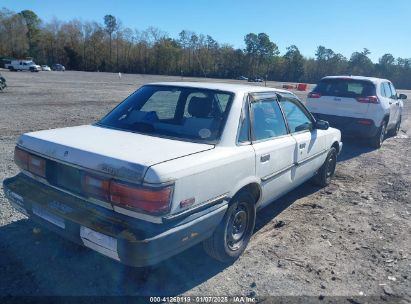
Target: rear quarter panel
(206,175)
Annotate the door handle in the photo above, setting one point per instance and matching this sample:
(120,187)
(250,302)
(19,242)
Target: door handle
(390,102)
(264,158)
(302,146)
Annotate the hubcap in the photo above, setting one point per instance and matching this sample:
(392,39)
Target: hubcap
(331,166)
(382,135)
(237,227)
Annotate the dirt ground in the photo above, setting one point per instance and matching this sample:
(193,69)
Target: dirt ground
(350,239)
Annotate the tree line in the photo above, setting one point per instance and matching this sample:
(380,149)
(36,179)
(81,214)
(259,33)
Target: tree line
(110,46)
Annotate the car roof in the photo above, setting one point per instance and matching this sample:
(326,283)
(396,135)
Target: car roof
(229,87)
(372,79)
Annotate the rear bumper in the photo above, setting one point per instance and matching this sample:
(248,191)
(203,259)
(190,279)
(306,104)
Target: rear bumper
(130,241)
(349,126)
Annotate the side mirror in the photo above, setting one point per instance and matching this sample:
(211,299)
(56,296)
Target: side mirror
(402,96)
(304,126)
(322,125)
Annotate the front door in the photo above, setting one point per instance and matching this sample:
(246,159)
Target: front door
(396,105)
(311,145)
(386,91)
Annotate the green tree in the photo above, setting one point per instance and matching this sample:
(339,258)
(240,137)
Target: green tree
(294,64)
(361,64)
(111,26)
(260,50)
(33,23)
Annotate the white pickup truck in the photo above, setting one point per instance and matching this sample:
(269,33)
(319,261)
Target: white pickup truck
(23,65)
(173,165)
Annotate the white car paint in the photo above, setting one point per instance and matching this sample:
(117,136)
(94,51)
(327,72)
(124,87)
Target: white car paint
(198,171)
(122,154)
(349,107)
(23,65)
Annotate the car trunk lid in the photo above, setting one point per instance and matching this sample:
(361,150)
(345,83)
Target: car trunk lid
(123,155)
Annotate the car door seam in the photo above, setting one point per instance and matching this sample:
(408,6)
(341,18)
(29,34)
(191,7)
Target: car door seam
(311,157)
(276,173)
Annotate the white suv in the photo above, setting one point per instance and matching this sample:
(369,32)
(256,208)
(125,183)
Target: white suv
(358,106)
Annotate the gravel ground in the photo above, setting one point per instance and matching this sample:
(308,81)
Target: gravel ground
(350,239)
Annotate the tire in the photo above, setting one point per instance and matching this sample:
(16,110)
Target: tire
(378,139)
(396,129)
(232,235)
(327,170)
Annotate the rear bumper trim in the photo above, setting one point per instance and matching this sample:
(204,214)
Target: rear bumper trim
(137,243)
(349,126)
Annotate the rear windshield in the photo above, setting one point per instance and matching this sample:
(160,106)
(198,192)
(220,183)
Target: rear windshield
(345,88)
(184,113)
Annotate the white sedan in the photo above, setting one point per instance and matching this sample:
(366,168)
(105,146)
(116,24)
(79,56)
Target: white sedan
(173,165)
(45,68)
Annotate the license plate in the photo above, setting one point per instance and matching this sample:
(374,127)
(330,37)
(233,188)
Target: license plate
(48,216)
(99,242)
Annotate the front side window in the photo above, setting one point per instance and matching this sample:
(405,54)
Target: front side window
(298,119)
(268,120)
(393,91)
(191,114)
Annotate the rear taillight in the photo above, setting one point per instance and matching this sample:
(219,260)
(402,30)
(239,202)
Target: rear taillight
(364,122)
(21,158)
(150,200)
(368,99)
(37,165)
(96,187)
(314,95)
(30,162)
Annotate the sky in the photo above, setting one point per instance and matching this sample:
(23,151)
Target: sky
(344,26)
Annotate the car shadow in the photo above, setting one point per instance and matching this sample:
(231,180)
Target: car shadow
(270,212)
(353,147)
(45,264)
(34,261)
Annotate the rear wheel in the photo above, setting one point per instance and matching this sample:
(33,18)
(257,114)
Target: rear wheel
(327,170)
(378,139)
(232,235)
(396,129)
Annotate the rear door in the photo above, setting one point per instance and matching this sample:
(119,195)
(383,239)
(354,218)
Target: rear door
(311,143)
(341,97)
(274,146)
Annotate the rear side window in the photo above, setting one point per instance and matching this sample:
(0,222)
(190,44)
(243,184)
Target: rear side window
(341,87)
